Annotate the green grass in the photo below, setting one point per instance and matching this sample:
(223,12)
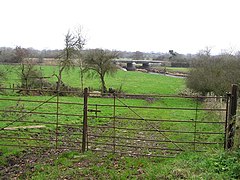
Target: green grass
(73,165)
(129,82)
(175,69)
(213,164)
(48,132)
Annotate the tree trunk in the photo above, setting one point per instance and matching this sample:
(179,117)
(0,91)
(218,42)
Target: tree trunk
(59,79)
(81,77)
(104,88)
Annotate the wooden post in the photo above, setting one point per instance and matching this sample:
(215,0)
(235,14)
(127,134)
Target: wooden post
(232,117)
(85,111)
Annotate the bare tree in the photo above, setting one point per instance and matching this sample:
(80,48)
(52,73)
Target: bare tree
(82,69)
(73,44)
(29,74)
(205,53)
(80,42)
(100,62)
(20,54)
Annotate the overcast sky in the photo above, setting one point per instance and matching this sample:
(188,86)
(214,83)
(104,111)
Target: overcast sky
(186,26)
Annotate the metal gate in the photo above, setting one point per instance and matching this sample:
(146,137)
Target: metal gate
(195,123)
(134,125)
(41,119)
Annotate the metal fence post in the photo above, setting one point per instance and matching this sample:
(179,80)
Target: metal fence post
(226,120)
(232,117)
(57,120)
(85,111)
(195,124)
(114,122)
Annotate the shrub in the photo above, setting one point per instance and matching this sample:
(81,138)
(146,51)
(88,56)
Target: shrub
(214,74)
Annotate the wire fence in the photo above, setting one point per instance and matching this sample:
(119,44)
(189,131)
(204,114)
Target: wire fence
(134,125)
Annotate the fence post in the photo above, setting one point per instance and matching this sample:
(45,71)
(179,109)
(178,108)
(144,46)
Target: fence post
(232,117)
(85,111)
(226,120)
(57,121)
(114,123)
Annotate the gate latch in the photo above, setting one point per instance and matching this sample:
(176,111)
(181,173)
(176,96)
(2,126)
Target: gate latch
(94,110)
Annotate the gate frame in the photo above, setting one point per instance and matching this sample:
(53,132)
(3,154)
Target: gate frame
(230,121)
(85,126)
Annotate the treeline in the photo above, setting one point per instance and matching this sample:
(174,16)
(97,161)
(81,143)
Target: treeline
(16,55)
(12,55)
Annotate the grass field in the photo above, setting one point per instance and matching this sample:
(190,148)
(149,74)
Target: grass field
(174,69)
(129,82)
(50,164)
